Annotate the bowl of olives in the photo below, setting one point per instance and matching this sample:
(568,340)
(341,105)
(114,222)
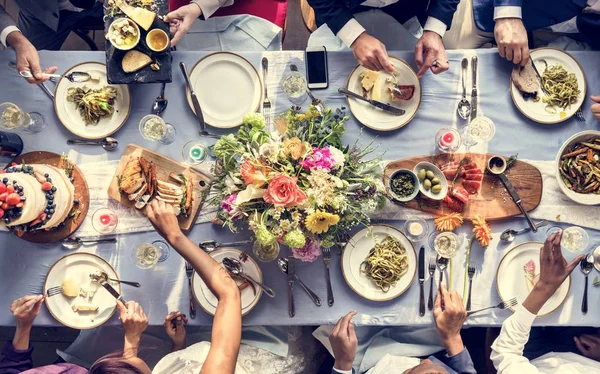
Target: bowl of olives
(432,182)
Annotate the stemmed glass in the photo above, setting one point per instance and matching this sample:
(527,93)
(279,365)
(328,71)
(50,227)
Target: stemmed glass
(154,128)
(12,117)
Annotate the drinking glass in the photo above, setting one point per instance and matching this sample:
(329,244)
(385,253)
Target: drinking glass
(416,229)
(154,128)
(194,152)
(105,221)
(295,87)
(479,130)
(574,238)
(147,255)
(265,253)
(12,117)
(448,140)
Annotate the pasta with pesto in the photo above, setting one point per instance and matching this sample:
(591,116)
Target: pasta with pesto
(562,87)
(386,263)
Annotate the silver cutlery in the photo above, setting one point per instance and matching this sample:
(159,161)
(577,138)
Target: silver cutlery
(104,283)
(431,281)
(378,104)
(52,291)
(421,271)
(235,267)
(291,271)
(586,265)
(442,263)
(46,90)
(107,143)
(75,77)
(189,271)
(283,266)
(464,107)
(502,305)
(579,115)
(326,252)
(474,90)
(74,243)
(161,102)
(209,246)
(539,76)
(471,273)
(266,105)
(195,103)
(103,275)
(509,235)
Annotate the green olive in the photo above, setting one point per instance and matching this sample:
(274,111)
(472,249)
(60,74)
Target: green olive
(422,174)
(427,184)
(430,174)
(435,181)
(436,189)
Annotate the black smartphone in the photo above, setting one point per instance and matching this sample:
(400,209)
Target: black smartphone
(316,67)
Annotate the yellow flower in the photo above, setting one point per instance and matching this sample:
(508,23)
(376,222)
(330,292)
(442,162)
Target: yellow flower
(319,221)
(294,147)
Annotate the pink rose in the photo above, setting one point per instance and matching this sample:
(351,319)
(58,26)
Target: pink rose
(283,191)
(320,158)
(310,252)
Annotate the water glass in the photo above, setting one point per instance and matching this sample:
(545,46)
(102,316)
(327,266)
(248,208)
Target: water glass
(265,253)
(12,118)
(147,255)
(295,87)
(154,128)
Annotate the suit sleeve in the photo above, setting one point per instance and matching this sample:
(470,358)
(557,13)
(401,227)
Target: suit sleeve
(7,25)
(332,12)
(15,361)
(461,363)
(589,26)
(443,10)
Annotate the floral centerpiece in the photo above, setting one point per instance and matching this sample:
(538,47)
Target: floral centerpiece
(297,184)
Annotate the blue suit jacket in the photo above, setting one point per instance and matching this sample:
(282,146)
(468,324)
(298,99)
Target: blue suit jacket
(539,14)
(336,13)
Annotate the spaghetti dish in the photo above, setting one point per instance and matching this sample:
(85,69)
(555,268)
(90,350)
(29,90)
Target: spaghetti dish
(386,263)
(562,87)
(93,104)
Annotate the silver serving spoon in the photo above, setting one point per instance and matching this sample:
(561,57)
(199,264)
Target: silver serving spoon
(587,264)
(235,267)
(108,143)
(160,103)
(76,243)
(209,246)
(101,274)
(509,235)
(464,107)
(442,263)
(283,266)
(75,77)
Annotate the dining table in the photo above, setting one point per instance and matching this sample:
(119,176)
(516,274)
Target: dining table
(24,265)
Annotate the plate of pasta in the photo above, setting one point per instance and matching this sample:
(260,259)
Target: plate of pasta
(379,263)
(563,80)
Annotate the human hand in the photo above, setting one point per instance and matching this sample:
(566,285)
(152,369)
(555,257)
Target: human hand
(175,327)
(134,321)
(589,345)
(596,107)
(163,218)
(449,321)
(344,342)
(554,269)
(431,53)
(28,58)
(371,53)
(25,309)
(181,20)
(511,37)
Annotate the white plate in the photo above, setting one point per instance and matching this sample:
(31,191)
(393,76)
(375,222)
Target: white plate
(580,198)
(227,86)
(68,114)
(536,111)
(208,301)
(375,118)
(357,250)
(510,278)
(79,266)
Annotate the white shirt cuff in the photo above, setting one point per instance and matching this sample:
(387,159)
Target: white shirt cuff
(507,12)
(209,7)
(435,25)
(4,34)
(350,32)
(342,371)
(523,316)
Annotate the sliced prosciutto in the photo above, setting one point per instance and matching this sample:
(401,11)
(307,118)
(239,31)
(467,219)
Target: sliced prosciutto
(469,166)
(472,186)
(473,175)
(454,204)
(460,194)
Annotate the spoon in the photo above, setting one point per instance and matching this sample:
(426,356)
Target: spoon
(509,234)
(108,143)
(160,103)
(235,267)
(101,274)
(283,266)
(76,243)
(587,264)
(209,246)
(442,263)
(464,107)
(75,77)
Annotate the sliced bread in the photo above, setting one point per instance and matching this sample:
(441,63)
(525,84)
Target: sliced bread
(134,61)
(525,78)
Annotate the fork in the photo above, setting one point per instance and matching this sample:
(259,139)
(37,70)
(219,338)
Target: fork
(502,305)
(471,273)
(52,291)
(442,263)
(431,281)
(189,271)
(326,261)
(266,102)
(579,115)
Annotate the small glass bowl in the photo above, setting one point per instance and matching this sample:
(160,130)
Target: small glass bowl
(416,229)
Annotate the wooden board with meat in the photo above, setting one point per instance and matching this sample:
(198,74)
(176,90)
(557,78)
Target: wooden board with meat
(473,190)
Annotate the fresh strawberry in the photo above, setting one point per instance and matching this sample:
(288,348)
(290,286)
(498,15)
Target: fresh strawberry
(1,213)
(3,196)
(19,205)
(10,188)
(37,221)
(46,186)
(2,187)
(5,206)
(13,199)
(43,216)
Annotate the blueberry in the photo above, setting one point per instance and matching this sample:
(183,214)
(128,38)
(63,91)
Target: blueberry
(20,188)
(75,201)
(5,180)
(18,214)
(49,180)
(14,183)
(10,169)
(46,175)
(31,171)
(49,216)
(51,198)
(20,193)
(47,211)
(11,213)
(53,189)
(53,206)
(51,211)
(23,198)
(7,220)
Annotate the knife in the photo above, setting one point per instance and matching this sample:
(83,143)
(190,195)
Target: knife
(195,101)
(422,280)
(474,90)
(112,291)
(291,268)
(375,103)
(517,199)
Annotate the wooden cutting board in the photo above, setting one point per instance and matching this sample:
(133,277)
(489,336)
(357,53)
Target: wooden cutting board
(493,202)
(164,166)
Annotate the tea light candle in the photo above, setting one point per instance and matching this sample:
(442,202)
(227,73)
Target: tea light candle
(415,228)
(197,153)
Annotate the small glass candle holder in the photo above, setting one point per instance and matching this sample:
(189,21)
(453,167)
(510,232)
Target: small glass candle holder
(194,152)
(105,221)
(448,140)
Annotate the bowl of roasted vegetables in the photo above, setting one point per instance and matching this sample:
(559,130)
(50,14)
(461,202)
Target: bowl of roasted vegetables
(578,164)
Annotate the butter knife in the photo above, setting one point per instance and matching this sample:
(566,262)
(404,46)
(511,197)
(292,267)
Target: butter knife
(291,267)
(195,102)
(421,281)
(474,90)
(517,199)
(375,103)
(112,291)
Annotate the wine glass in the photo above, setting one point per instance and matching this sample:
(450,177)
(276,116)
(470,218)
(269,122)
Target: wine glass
(147,255)
(154,128)
(480,130)
(12,117)
(295,87)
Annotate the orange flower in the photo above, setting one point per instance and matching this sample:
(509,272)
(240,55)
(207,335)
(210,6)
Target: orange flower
(294,147)
(482,230)
(283,192)
(254,173)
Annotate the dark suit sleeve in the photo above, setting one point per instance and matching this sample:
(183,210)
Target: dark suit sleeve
(15,361)
(589,26)
(335,372)
(443,10)
(461,363)
(518,3)
(334,13)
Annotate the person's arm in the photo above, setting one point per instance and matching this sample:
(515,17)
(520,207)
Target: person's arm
(227,323)
(344,344)
(509,31)
(175,328)
(595,108)
(209,7)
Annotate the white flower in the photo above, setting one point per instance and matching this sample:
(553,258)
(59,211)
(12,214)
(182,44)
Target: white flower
(230,182)
(338,156)
(270,151)
(285,225)
(248,194)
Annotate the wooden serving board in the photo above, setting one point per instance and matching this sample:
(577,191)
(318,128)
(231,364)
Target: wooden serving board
(493,202)
(81,193)
(164,166)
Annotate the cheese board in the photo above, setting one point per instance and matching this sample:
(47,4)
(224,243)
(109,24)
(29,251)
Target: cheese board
(491,200)
(167,172)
